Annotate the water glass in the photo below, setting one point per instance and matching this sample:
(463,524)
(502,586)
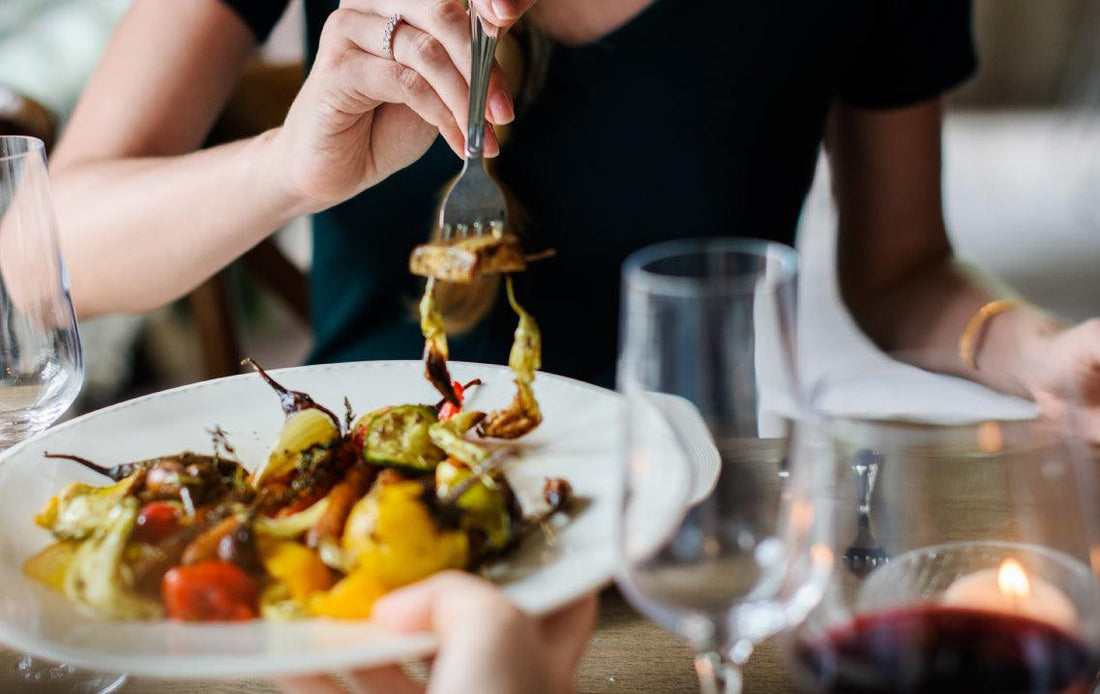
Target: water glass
(716,539)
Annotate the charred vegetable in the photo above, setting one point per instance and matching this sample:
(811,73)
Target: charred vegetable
(435,346)
(465,259)
(399,437)
(96,579)
(522,415)
(292,401)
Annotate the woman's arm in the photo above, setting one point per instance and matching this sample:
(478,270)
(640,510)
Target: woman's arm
(140,223)
(897,273)
(144,218)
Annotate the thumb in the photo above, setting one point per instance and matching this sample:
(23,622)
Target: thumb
(440,604)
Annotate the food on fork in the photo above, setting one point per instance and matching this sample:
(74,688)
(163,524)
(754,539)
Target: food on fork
(336,516)
(466,259)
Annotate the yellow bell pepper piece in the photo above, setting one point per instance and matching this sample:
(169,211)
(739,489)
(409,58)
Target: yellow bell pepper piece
(50,565)
(296,566)
(391,534)
(351,598)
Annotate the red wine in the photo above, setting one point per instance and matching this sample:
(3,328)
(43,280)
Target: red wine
(943,649)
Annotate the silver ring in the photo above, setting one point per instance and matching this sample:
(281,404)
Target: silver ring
(387,35)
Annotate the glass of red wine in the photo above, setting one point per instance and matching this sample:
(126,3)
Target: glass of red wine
(714,535)
(964,527)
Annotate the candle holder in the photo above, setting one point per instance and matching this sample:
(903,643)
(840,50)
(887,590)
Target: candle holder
(991,525)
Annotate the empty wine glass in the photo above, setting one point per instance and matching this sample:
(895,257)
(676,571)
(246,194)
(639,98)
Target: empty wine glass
(41,364)
(985,516)
(715,539)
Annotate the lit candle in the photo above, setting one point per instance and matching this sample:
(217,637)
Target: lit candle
(1009,589)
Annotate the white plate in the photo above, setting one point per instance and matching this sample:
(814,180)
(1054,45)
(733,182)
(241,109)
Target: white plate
(577,441)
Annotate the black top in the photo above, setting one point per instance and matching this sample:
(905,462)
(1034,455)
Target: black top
(696,118)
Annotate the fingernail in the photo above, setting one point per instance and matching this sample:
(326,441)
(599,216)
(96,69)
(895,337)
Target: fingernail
(500,106)
(492,144)
(503,9)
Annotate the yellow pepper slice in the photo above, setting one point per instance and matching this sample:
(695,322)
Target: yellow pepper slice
(296,566)
(352,598)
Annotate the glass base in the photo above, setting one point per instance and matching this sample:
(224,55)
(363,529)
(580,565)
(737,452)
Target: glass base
(17,426)
(22,673)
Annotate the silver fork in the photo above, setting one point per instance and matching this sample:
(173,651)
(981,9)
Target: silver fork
(475,203)
(865,554)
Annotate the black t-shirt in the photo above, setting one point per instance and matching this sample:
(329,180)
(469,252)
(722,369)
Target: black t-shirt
(696,118)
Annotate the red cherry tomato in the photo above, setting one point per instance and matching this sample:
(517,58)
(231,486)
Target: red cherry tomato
(210,591)
(449,410)
(156,520)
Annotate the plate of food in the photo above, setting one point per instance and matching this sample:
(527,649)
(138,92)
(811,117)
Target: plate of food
(237,527)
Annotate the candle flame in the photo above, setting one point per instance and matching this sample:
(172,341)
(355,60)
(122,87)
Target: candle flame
(1012,580)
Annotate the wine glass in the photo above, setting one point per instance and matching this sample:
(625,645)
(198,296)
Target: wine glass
(715,538)
(41,364)
(984,514)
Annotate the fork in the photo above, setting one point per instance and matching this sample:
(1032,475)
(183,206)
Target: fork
(865,554)
(475,203)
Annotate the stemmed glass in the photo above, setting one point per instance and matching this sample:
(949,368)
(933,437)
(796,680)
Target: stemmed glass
(41,364)
(984,517)
(716,539)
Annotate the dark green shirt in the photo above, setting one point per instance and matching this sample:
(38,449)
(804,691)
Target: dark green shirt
(696,118)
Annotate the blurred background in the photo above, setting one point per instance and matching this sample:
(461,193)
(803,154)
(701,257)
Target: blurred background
(1021,172)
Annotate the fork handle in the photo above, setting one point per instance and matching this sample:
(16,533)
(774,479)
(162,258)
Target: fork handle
(484,43)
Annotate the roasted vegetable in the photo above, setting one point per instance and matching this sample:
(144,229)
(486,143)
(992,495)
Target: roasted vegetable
(435,346)
(157,520)
(522,415)
(450,437)
(339,503)
(400,437)
(187,477)
(213,591)
(293,525)
(297,567)
(79,509)
(485,505)
(465,259)
(304,440)
(352,598)
(51,564)
(292,401)
(205,547)
(395,536)
(96,579)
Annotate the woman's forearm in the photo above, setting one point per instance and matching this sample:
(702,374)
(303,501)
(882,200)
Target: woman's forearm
(921,318)
(138,233)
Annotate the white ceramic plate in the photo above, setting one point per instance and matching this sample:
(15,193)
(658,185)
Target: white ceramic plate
(577,441)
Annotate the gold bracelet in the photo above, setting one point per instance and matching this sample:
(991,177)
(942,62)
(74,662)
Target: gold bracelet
(968,340)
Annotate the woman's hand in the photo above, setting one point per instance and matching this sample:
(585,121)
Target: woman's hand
(363,114)
(1070,376)
(486,644)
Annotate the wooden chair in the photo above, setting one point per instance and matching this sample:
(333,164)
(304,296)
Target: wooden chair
(260,102)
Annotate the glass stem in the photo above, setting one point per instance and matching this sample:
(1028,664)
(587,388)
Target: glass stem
(717,675)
